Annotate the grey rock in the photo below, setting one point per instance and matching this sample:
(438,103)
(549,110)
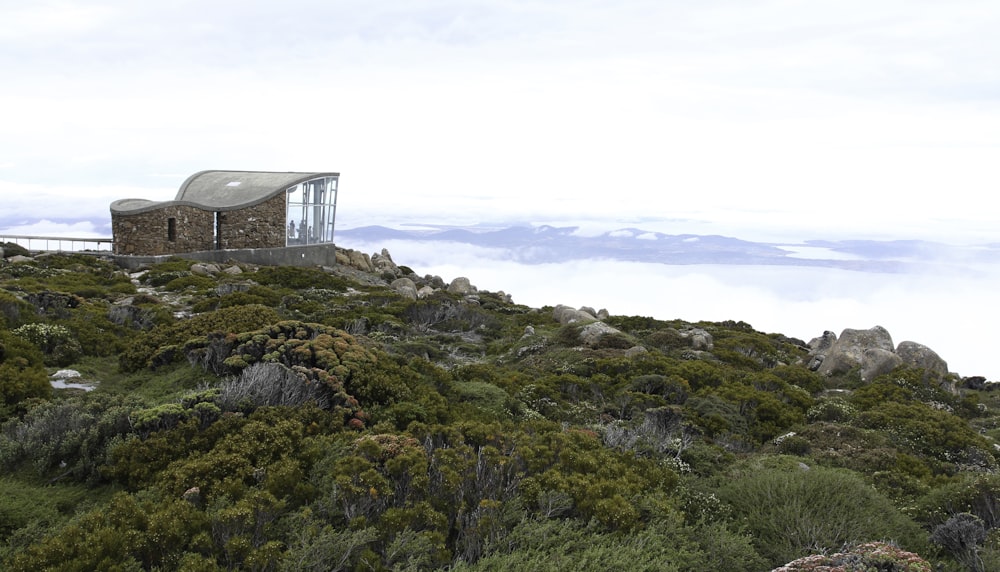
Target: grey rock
(824,342)
(591,334)
(234,270)
(699,339)
(461,286)
(849,349)
(919,355)
(589,310)
(360,260)
(132,316)
(405,287)
(425,291)
(204,269)
(231,287)
(529,330)
(19,258)
(603,314)
(636,351)
(878,361)
(818,347)
(383,263)
(566,315)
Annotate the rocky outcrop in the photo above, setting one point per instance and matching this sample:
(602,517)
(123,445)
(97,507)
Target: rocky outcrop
(870,556)
(205,269)
(382,263)
(566,315)
(405,287)
(848,351)
(872,353)
(919,355)
(699,339)
(354,259)
(53,304)
(461,286)
(592,333)
(402,279)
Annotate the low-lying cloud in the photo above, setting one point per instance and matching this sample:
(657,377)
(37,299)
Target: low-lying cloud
(952,313)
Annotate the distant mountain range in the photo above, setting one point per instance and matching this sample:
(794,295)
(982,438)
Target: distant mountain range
(548,244)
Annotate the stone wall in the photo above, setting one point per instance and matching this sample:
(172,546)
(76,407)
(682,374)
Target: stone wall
(148,233)
(311,255)
(259,226)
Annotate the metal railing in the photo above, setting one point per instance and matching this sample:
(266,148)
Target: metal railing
(59,243)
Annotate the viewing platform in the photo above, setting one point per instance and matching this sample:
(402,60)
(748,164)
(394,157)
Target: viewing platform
(59,243)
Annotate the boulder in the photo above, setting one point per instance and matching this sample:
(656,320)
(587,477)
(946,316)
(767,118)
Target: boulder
(848,351)
(818,348)
(435,282)
(976,382)
(405,287)
(919,355)
(878,361)
(461,286)
(424,292)
(699,339)
(566,315)
(18,259)
(55,304)
(234,270)
(204,269)
(591,334)
(360,260)
(231,287)
(382,263)
(636,351)
(872,352)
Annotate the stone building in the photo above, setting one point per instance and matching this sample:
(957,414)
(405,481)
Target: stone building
(225,210)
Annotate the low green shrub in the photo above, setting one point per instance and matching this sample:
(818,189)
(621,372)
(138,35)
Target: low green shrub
(298,278)
(161,344)
(15,311)
(794,512)
(13,249)
(57,343)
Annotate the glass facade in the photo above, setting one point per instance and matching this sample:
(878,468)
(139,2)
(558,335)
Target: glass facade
(312,208)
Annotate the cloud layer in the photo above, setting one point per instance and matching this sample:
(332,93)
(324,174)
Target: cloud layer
(953,314)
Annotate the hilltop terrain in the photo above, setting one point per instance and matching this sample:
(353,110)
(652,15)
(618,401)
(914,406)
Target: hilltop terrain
(365,417)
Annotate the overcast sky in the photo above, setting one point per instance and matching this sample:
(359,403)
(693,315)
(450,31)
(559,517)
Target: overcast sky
(763,120)
(874,118)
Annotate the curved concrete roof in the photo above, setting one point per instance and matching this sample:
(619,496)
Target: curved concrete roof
(223,190)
